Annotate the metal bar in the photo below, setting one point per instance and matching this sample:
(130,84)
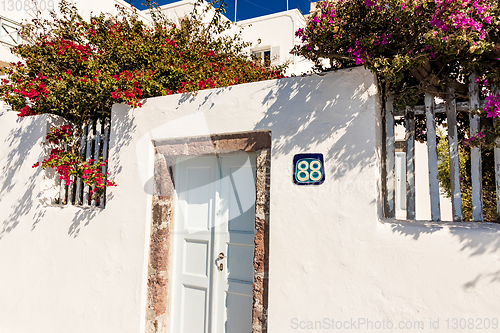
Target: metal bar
(10,33)
(70,191)
(451,114)
(410,164)
(4,18)
(235,9)
(62,191)
(97,148)
(88,156)
(390,156)
(475,154)
(432,155)
(83,140)
(105,157)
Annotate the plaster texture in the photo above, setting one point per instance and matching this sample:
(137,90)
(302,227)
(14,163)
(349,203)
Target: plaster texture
(64,269)
(331,257)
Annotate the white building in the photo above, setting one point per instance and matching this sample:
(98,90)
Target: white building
(272,36)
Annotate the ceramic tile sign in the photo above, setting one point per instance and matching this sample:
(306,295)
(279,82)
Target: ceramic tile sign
(308,169)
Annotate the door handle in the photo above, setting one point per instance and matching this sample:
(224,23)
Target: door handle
(220,266)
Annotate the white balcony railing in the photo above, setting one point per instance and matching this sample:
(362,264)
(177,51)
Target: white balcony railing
(9,31)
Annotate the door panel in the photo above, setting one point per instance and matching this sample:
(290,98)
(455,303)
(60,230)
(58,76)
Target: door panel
(238,308)
(198,253)
(239,255)
(214,214)
(236,239)
(194,309)
(198,198)
(192,245)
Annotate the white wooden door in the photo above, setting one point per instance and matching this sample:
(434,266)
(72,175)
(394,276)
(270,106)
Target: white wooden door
(213,244)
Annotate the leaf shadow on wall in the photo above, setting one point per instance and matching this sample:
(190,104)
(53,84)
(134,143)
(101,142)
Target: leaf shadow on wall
(121,131)
(19,142)
(302,113)
(81,219)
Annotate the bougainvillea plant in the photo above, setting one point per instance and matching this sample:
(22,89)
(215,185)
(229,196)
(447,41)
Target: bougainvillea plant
(70,165)
(78,69)
(414,46)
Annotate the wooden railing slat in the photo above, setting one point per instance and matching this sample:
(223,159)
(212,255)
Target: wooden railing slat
(438,108)
(432,155)
(97,148)
(104,157)
(62,192)
(410,164)
(88,156)
(79,183)
(456,200)
(497,173)
(390,156)
(476,163)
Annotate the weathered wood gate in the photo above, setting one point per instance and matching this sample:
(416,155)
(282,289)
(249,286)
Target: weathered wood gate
(450,107)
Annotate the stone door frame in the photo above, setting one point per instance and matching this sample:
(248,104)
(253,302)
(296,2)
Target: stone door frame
(160,256)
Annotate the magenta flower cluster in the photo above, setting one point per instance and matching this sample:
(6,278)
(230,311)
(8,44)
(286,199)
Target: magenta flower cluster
(358,52)
(492,105)
(474,140)
(461,14)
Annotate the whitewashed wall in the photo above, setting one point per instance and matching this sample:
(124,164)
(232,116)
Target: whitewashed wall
(331,257)
(64,269)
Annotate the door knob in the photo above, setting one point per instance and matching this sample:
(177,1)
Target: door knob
(221,256)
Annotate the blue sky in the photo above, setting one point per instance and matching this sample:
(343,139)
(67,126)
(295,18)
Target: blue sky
(249,8)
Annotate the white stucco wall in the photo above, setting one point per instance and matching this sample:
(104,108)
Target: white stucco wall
(331,257)
(64,269)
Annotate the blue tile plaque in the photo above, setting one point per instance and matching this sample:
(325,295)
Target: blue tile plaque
(308,169)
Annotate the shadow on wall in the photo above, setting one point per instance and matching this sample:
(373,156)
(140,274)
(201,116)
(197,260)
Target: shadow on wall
(312,114)
(20,194)
(119,138)
(476,238)
(344,112)
(19,142)
(82,219)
